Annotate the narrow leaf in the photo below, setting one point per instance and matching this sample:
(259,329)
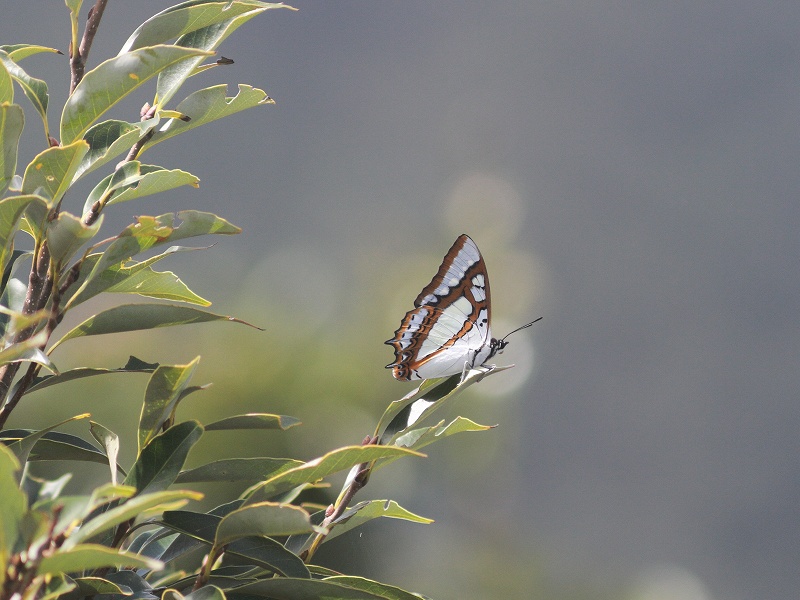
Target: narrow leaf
(110,442)
(108,140)
(17,52)
(22,448)
(12,504)
(163,285)
(92,556)
(237,469)
(165,387)
(134,366)
(12,121)
(254,421)
(111,81)
(367,511)
(11,211)
(389,592)
(205,106)
(34,89)
(162,459)
(314,470)
(139,506)
(287,588)
(146,233)
(136,317)
(91,586)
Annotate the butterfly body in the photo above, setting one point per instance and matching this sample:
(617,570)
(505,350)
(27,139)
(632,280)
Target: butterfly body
(448,331)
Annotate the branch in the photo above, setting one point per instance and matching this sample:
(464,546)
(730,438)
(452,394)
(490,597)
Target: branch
(81,53)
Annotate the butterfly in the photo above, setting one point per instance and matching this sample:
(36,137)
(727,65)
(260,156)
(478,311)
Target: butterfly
(449,330)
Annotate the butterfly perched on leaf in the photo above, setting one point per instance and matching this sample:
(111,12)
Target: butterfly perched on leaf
(449,330)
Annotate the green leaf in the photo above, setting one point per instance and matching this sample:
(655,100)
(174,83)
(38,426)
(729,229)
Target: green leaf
(389,592)
(22,448)
(91,586)
(28,351)
(163,285)
(115,275)
(431,395)
(372,509)
(92,556)
(268,519)
(207,592)
(12,505)
(136,317)
(287,588)
(237,469)
(146,233)
(108,140)
(12,120)
(143,505)
(17,52)
(186,17)
(314,470)
(164,389)
(134,366)
(162,459)
(11,211)
(6,87)
(261,551)
(254,421)
(205,106)
(57,587)
(64,446)
(34,89)
(67,233)
(196,25)
(111,81)
(110,442)
(419,438)
(135,180)
(50,173)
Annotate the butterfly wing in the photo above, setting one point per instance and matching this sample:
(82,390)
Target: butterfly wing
(450,324)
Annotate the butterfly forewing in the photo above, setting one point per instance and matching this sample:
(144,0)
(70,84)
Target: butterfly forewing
(450,326)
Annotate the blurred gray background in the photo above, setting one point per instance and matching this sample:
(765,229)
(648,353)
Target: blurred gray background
(629,171)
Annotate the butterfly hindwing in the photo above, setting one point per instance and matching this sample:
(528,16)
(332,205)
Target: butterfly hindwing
(450,324)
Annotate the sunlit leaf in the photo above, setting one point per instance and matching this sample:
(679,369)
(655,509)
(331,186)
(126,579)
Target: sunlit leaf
(314,470)
(165,387)
(108,140)
(34,89)
(372,509)
(267,519)
(253,421)
(389,592)
(50,173)
(6,87)
(140,506)
(162,459)
(11,211)
(148,232)
(22,448)
(111,81)
(163,285)
(67,233)
(137,317)
(12,120)
(288,588)
(134,366)
(17,52)
(110,442)
(91,586)
(28,351)
(92,556)
(205,106)
(135,180)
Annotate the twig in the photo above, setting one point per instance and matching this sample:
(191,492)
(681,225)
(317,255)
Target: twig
(81,53)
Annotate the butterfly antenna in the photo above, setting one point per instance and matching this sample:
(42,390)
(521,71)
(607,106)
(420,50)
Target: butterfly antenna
(519,328)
